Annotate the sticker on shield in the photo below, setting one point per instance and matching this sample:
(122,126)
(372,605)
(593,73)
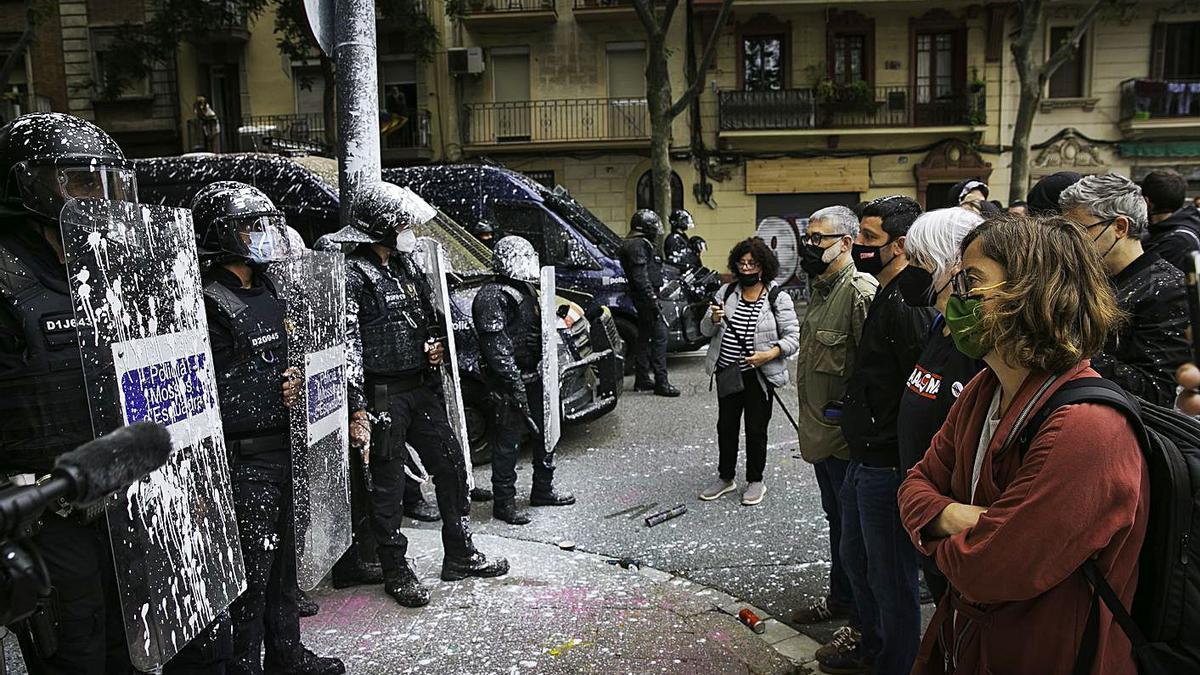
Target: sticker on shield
(143,337)
(313,285)
(551,406)
(432,259)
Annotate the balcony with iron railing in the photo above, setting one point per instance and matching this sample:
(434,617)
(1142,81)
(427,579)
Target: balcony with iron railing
(497,15)
(603,122)
(304,134)
(1148,105)
(605,10)
(832,110)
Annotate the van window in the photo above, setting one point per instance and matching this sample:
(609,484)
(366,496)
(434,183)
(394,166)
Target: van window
(523,219)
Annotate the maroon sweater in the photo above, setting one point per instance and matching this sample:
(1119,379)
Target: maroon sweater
(1019,603)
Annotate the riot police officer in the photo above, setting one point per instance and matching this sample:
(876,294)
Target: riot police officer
(45,159)
(676,247)
(395,394)
(239,231)
(486,233)
(643,269)
(509,324)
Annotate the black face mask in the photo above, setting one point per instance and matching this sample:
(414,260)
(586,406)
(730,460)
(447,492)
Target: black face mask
(869,259)
(916,287)
(811,262)
(747,280)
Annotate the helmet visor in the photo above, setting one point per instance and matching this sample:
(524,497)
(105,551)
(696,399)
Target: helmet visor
(259,237)
(45,188)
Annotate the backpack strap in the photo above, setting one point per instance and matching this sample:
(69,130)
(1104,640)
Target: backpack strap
(1105,392)
(771,295)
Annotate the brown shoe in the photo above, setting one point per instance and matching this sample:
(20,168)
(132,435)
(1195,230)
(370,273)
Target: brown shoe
(844,639)
(820,611)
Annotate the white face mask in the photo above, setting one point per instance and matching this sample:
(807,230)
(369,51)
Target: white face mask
(262,248)
(406,241)
(830,254)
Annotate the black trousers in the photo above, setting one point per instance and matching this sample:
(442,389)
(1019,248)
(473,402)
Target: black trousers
(267,610)
(418,418)
(91,633)
(511,434)
(753,403)
(650,348)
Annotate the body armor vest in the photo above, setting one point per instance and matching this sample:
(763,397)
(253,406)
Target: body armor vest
(525,329)
(393,319)
(44,407)
(250,385)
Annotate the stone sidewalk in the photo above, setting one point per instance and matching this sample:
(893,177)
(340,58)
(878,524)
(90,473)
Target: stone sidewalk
(555,612)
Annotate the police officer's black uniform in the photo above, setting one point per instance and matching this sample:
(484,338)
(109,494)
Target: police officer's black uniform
(43,404)
(249,337)
(677,247)
(389,329)
(643,270)
(508,320)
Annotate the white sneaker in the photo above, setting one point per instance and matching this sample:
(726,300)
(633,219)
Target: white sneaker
(754,493)
(717,489)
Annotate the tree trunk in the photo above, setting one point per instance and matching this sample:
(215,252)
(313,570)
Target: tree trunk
(329,101)
(1026,110)
(658,100)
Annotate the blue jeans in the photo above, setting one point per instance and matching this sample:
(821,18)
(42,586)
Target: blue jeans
(881,564)
(831,473)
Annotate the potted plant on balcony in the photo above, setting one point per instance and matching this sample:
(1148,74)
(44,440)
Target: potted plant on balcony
(853,97)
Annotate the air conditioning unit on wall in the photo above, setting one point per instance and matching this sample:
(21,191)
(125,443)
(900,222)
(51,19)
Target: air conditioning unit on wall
(465,60)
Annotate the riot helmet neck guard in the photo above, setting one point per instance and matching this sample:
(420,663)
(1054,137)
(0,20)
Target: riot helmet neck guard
(235,221)
(49,158)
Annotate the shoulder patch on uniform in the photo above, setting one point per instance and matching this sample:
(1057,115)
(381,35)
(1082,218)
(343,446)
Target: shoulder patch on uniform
(226,300)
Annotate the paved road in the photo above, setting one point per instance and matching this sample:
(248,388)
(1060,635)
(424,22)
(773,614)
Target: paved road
(652,453)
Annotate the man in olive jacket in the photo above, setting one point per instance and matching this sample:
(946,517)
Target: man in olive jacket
(829,338)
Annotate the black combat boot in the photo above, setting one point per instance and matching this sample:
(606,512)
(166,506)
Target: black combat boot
(406,589)
(665,389)
(305,604)
(481,494)
(506,510)
(356,573)
(550,497)
(307,663)
(473,565)
(643,385)
(423,511)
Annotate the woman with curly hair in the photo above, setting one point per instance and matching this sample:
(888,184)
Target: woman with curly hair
(1009,521)
(756,329)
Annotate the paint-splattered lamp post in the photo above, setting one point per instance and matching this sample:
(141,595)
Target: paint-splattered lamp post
(345,31)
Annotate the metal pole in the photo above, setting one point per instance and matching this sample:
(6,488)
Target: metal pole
(357,100)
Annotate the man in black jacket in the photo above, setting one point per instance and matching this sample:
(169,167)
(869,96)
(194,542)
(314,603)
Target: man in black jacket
(643,270)
(885,581)
(1143,354)
(1174,226)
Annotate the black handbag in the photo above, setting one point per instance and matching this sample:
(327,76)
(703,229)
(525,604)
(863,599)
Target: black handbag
(729,381)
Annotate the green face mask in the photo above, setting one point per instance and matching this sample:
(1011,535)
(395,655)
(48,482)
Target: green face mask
(962,318)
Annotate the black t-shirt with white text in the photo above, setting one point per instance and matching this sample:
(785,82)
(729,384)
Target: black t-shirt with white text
(936,381)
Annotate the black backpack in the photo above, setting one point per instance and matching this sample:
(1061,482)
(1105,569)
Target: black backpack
(1164,626)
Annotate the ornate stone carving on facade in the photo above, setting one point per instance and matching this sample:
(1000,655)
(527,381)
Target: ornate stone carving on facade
(1069,152)
(950,161)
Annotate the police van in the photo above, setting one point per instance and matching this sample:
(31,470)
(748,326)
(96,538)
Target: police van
(591,351)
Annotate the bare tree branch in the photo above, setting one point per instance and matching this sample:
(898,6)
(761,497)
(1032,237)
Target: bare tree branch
(645,12)
(710,51)
(1067,50)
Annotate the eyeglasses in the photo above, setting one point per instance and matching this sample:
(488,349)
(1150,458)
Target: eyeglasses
(748,264)
(817,238)
(961,285)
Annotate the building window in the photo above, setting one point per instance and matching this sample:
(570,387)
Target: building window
(1181,51)
(1069,80)
(309,84)
(645,192)
(850,47)
(102,40)
(546,178)
(763,62)
(935,66)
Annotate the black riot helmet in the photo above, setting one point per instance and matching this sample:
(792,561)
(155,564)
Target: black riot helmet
(383,210)
(646,223)
(486,233)
(698,244)
(681,220)
(48,158)
(236,221)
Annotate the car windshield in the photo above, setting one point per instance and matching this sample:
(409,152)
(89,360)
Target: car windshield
(467,255)
(562,203)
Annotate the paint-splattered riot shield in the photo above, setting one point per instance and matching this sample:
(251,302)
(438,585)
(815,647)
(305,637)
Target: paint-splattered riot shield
(432,258)
(143,337)
(314,286)
(551,406)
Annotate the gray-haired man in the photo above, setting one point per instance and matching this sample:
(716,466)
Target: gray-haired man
(829,338)
(1143,354)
